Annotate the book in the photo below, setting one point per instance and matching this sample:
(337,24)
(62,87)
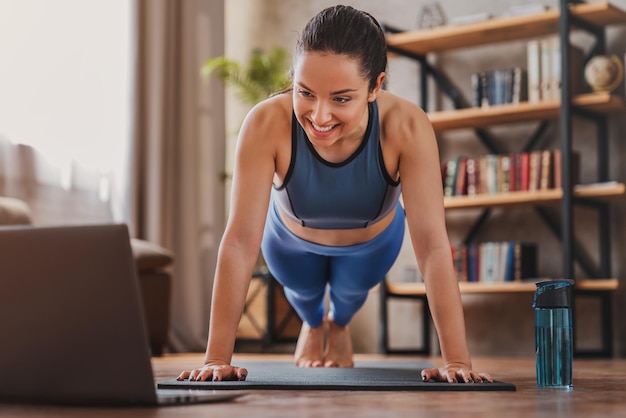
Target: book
(475,84)
(505,173)
(451,173)
(533,70)
(576,66)
(484,88)
(509,262)
(461,177)
(491,174)
(545,49)
(483,173)
(546,171)
(500,255)
(487,262)
(513,174)
(524,170)
(472,176)
(519,87)
(534,168)
(497,87)
(473,263)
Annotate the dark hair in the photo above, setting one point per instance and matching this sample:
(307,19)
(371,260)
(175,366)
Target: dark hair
(347,31)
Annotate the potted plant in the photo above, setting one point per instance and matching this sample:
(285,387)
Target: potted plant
(265,73)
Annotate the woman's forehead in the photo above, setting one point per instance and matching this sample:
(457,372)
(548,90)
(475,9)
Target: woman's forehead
(327,66)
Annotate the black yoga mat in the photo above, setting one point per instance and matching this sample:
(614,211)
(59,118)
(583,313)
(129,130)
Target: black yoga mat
(365,376)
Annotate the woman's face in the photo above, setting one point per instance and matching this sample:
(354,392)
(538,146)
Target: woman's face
(330,97)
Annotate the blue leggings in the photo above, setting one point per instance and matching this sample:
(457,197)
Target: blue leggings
(304,268)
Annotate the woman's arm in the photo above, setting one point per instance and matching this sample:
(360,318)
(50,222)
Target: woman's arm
(422,192)
(239,248)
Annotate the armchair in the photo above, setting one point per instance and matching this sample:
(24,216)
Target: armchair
(151,261)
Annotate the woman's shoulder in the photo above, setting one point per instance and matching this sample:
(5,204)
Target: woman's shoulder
(273,111)
(268,122)
(401,117)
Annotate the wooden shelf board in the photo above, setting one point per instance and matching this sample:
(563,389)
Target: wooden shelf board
(602,102)
(604,191)
(610,190)
(501,29)
(418,289)
(597,284)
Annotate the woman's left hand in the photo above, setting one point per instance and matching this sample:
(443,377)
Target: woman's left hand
(454,373)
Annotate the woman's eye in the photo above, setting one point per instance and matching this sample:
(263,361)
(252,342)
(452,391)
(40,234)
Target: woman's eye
(304,93)
(342,99)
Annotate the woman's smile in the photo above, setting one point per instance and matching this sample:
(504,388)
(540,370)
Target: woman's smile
(322,131)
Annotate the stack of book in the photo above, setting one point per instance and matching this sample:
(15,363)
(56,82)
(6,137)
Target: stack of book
(495,262)
(493,173)
(544,69)
(498,87)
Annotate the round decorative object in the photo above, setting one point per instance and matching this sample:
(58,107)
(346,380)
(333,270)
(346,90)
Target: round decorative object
(604,72)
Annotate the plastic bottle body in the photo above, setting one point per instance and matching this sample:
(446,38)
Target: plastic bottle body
(554,333)
(554,344)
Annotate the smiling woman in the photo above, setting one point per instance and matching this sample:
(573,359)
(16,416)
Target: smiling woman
(316,185)
(65,78)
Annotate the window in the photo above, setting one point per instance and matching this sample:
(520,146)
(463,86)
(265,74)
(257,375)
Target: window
(65,88)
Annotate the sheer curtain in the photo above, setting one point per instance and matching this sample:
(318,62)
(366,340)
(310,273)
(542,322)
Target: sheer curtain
(104,117)
(178,158)
(65,68)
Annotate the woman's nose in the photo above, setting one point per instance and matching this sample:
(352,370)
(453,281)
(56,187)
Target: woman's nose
(321,113)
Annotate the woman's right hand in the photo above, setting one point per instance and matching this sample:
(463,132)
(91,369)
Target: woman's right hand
(215,371)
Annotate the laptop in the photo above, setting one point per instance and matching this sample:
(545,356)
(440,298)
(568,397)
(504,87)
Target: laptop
(71,322)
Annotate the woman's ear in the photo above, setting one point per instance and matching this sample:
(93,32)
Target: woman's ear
(379,84)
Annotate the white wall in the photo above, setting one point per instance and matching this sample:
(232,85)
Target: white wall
(270,22)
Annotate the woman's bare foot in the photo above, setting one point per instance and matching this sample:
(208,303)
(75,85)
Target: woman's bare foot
(338,347)
(310,346)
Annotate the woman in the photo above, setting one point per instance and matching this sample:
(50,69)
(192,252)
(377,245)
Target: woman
(326,157)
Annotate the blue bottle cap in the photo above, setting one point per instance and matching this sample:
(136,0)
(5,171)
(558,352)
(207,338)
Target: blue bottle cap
(553,294)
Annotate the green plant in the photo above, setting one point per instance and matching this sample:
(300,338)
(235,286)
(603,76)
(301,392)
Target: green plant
(265,73)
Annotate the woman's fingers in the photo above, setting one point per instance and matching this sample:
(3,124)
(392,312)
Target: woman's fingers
(455,375)
(214,373)
(241,373)
(431,374)
(183,375)
(486,377)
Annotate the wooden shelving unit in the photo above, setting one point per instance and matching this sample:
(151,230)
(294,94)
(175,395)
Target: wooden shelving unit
(499,30)
(592,17)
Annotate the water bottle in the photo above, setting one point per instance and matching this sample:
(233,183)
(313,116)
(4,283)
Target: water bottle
(554,339)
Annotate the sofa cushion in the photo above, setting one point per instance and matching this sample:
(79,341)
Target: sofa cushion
(14,212)
(149,256)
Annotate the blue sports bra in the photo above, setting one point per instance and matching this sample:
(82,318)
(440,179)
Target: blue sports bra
(351,194)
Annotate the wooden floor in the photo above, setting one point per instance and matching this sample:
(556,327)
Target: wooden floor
(599,391)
